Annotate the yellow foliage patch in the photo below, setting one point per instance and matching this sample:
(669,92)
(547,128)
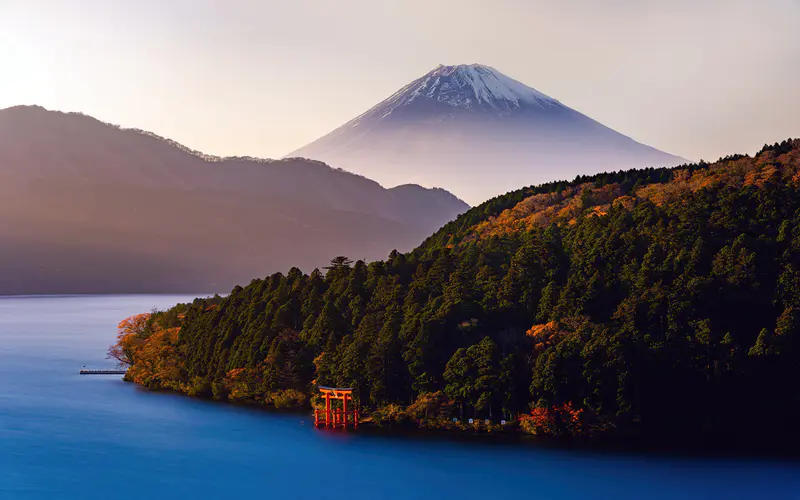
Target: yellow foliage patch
(569,205)
(539,210)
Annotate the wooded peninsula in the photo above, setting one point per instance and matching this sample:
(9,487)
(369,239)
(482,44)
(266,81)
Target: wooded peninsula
(644,302)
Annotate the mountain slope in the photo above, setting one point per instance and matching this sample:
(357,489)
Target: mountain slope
(89,207)
(479,133)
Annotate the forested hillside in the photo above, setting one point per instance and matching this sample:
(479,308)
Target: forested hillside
(647,301)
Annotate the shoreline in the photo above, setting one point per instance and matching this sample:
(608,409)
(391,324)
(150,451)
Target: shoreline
(690,447)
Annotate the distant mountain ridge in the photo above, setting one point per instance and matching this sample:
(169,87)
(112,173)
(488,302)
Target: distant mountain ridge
(91,207)
(479,133)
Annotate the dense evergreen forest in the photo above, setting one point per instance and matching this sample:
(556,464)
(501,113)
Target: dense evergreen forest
(650,301)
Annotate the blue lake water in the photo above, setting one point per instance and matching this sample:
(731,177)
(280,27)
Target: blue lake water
(64,436)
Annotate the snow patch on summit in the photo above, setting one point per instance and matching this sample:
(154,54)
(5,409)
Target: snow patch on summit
(463,86)
(490,86)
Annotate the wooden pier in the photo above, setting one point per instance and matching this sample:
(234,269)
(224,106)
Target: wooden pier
(85,371)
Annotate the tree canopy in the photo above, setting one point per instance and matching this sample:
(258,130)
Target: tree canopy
(655,300)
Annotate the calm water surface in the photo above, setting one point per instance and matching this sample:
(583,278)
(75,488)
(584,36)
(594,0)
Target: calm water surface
(66,436)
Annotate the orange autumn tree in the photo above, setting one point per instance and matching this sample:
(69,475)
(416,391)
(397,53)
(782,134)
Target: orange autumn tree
(158,364)
(551,333)
(149,350)
(129,333)
(556,420)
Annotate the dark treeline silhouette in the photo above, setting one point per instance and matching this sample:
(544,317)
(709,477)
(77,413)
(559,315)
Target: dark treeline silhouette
(653,302)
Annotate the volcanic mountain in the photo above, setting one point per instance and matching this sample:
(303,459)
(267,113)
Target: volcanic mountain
(89,207)
(479,133)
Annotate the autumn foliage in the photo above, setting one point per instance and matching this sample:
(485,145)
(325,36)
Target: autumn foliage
(150,350)
(592,199)
(158,363)
(556,420)
(129,334)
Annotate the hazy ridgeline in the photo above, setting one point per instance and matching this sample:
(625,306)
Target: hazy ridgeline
(87,207)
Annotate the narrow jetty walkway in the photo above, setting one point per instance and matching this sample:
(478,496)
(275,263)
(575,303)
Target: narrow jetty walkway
(84,371)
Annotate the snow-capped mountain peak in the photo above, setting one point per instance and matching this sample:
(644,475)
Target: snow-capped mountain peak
(478,132)
(470,86)
(491,86)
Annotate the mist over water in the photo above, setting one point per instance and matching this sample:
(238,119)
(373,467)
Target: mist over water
(67,436)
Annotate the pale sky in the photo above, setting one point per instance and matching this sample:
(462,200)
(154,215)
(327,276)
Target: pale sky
(695,78)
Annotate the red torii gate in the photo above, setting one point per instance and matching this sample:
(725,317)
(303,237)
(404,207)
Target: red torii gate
(336,417)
